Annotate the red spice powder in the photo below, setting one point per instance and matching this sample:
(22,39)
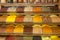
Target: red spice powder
(10,38)
(19,19)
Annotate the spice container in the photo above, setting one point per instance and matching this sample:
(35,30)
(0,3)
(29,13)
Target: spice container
(37,29)
(3,18)
(37,9)
(20,9)
(54,38)
(11,9)
(46,19)
(37,19)
(19,19)
(55,30)
(28,29)
(55,19)
(46,38)
(11,18)
(3,9)
(28,18)
(19,29)
(9,29)
(28,9)
(46,29)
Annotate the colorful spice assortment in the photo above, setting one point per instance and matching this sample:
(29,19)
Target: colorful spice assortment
(30,1)
(35,28)
(27,9)
(28,18)
(31,38)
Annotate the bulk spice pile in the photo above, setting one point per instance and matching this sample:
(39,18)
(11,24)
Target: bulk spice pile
(28,1)
(29,18)
(31,38)
(25,9)
(34,29)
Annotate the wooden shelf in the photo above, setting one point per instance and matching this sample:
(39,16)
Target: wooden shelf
(30,23)
(31,13)
(25,4)
(19,34)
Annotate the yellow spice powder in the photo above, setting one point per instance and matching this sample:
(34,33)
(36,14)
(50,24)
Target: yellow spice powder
(54,38)
(37,18)
(11,18)
(19,29)
(46,38)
